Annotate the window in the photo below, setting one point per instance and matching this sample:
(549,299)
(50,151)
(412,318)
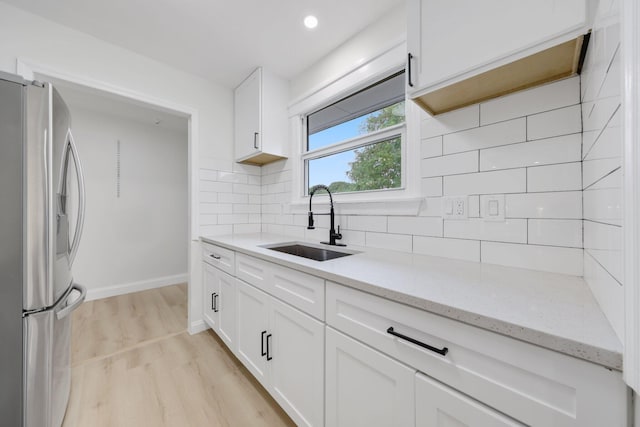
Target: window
(357,143)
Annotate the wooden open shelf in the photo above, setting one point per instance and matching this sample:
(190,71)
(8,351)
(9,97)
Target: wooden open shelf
(555,63)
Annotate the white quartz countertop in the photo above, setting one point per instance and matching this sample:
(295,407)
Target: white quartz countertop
(551,310)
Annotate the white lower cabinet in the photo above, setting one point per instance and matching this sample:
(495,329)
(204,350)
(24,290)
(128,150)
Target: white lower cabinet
(438,405)
(220,303)
(283,348)
(364,387)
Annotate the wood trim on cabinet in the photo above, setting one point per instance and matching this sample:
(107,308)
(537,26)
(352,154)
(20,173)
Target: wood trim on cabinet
(552,64)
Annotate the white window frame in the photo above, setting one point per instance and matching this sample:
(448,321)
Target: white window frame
(401,201)
(381,135)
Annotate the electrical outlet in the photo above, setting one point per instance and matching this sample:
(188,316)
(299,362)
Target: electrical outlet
(455,207)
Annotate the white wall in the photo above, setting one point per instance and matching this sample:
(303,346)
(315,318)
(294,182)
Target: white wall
(602,164)
(138,240)
(366,45)
(85,59)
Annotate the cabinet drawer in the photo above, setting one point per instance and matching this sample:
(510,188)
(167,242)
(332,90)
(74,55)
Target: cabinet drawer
(302,290)
(219,257)
(439,406)
(536,386)
(253,271)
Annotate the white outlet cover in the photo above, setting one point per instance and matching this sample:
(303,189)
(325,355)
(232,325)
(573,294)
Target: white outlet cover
(456,207)
(492,208)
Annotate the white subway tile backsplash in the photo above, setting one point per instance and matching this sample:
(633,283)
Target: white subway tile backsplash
(607,291)
(473,206)
(613,180)
(416,225)
(215,230)
(394,242)
(562,121)
(233,219)
(543,258)
(218,187)
(246,208)
(367,223)
(208,197)
(555,232)
(556,205)
(604,243)
(232,198)
(548,97)
(603,205)
(595,170)
(246,228)
(450,165)
(513,230)
(232,177)
(431,187)
(208,219)
(431,147)
(596,114)
(561,149)
(560,177)
(454,121)
(588,139)
(607,145)
(449,248)
(503,133)
(505,181)
(431,206)
(216,208)
(352,237)
(246,189)
(208,175)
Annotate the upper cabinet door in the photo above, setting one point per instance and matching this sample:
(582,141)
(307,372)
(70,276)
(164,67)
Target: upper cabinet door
(261,118)
(450,41)
(248,101)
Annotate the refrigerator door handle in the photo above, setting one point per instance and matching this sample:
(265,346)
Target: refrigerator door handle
(61,314)
(81,198)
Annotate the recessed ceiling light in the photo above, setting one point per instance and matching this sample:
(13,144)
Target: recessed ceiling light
(311,22)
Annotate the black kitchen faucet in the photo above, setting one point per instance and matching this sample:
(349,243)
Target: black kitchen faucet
(333,236)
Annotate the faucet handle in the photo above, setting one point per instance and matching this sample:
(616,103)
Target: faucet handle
(310,225)
(338,235)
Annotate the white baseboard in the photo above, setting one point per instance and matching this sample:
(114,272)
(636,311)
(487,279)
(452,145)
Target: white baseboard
(197,327)
(126,288)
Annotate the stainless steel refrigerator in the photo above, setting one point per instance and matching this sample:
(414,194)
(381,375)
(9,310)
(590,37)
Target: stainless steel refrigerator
(41,219)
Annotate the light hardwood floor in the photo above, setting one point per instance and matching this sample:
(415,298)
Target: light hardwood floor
(134,364)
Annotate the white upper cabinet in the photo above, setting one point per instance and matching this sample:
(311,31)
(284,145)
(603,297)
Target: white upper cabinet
(261,122)
(465,51)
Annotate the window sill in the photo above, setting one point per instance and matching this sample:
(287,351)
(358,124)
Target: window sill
(392,207)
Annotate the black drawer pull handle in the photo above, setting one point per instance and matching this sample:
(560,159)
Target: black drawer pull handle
(215,303)
(268,352)
(443,351)
(214,256)
(409,79)
(262,352)
(255,140)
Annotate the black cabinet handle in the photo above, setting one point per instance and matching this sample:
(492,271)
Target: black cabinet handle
(262,352)
(442,351)
(215,303)
(409,79)
(255,140)
(268,352)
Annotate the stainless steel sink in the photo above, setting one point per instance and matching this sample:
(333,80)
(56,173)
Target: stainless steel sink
(306,251)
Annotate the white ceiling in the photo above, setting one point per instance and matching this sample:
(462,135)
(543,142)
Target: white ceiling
(83,98)
(222,41)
